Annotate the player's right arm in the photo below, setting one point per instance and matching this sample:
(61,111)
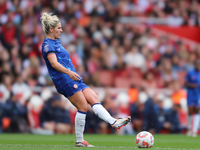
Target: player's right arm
(56,65)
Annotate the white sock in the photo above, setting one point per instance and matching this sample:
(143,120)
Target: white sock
(80,125)
(102,113)
(196,123)
(189,122)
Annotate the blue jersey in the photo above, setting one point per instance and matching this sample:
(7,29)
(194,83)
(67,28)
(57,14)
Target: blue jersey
(54,46)
(193,77)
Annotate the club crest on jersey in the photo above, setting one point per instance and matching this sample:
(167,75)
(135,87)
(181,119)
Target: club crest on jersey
(46,48)
(75,86)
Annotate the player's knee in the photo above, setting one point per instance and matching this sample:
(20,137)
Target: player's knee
(83,107)
(94,99)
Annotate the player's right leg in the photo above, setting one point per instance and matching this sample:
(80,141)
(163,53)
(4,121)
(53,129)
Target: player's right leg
(196,121)
(101,112)
(79,101)
(120,122)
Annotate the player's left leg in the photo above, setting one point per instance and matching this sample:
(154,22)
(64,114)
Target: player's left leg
(79,101)
(101,112)
(189,120)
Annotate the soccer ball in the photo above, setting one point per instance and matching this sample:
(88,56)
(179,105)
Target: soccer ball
(144,139)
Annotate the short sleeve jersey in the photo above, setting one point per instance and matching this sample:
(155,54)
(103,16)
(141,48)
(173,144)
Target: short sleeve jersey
(193,77)
(51,46)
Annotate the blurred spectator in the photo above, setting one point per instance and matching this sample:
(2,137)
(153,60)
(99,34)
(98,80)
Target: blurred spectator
(20,89)
(167,73)
(168,120)
(8,33)
(150,118)
(34,106)
(6,84)
(175,19)
(136,116)
(4,92)
(16,113)
(139,60)
(67,35)
(1,117)
(133,94)
(173,117)
(120,64)
(149,81)
(123,110)
(55,117)
(162,118)
(178,94)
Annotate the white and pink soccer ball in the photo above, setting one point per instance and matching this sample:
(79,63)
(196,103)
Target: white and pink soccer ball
(144,139)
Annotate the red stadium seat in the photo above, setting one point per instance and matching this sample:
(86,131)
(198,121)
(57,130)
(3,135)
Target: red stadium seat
(122,82)
(106,77)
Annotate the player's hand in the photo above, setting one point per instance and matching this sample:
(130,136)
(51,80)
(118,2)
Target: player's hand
(74,76)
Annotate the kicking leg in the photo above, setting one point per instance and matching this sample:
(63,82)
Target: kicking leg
(101,112)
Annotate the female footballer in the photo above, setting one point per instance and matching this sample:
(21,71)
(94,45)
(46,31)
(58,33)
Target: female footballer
(69,83)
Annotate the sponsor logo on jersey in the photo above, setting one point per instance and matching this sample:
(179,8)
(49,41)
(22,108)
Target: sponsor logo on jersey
(75,86)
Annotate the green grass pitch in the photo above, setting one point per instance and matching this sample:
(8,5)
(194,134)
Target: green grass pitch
(102,142)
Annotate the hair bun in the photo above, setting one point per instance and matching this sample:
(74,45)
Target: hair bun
(48,21)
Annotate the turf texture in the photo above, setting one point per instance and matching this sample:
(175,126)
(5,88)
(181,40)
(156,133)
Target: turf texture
(102,142)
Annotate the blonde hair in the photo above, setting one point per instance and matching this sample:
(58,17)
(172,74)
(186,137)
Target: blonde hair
(48,20)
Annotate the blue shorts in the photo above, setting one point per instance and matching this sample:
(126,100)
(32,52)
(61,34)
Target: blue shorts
(193,102)
(71,88)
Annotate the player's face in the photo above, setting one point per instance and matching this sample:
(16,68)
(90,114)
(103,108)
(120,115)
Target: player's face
(57,31)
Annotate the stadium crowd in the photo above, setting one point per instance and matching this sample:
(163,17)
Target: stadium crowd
(134,72)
